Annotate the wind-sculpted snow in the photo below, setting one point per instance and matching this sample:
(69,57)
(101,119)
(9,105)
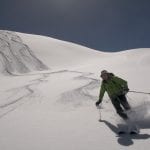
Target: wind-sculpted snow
(12,98)
(17,57)
(80,96)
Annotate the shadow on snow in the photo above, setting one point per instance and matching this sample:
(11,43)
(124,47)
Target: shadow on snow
(126,139)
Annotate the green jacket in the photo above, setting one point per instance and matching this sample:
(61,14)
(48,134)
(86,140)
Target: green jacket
(114,86)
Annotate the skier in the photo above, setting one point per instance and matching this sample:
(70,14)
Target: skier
(117,89)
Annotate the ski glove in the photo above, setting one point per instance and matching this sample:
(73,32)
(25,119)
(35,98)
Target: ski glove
(125,91)
(97,103)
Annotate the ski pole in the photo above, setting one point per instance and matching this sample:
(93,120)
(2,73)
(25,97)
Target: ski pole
(139,92)
(100,114)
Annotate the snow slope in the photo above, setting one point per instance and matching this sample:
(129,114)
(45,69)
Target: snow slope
(54,109)
(56,53)
(15,56)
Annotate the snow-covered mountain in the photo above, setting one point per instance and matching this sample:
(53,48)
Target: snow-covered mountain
(49,92)
(58,54)
(16,56)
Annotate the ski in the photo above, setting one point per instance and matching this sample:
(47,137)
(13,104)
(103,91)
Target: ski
(134,132)
(125,132)
(128,128)
(122,132)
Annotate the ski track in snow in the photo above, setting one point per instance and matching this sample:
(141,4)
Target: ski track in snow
(79,96)
(13,98)
(18,96)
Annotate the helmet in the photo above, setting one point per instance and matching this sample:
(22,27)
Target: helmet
(104,72)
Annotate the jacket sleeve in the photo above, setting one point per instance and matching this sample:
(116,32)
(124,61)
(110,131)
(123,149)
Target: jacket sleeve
(123,84)
(102,92)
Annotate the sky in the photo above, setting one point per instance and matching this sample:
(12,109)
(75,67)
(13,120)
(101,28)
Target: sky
(105,25)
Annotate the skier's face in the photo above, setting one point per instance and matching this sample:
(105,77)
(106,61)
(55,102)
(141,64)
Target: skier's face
(104,76)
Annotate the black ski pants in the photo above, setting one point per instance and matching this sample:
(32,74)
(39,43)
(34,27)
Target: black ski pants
(120,103)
